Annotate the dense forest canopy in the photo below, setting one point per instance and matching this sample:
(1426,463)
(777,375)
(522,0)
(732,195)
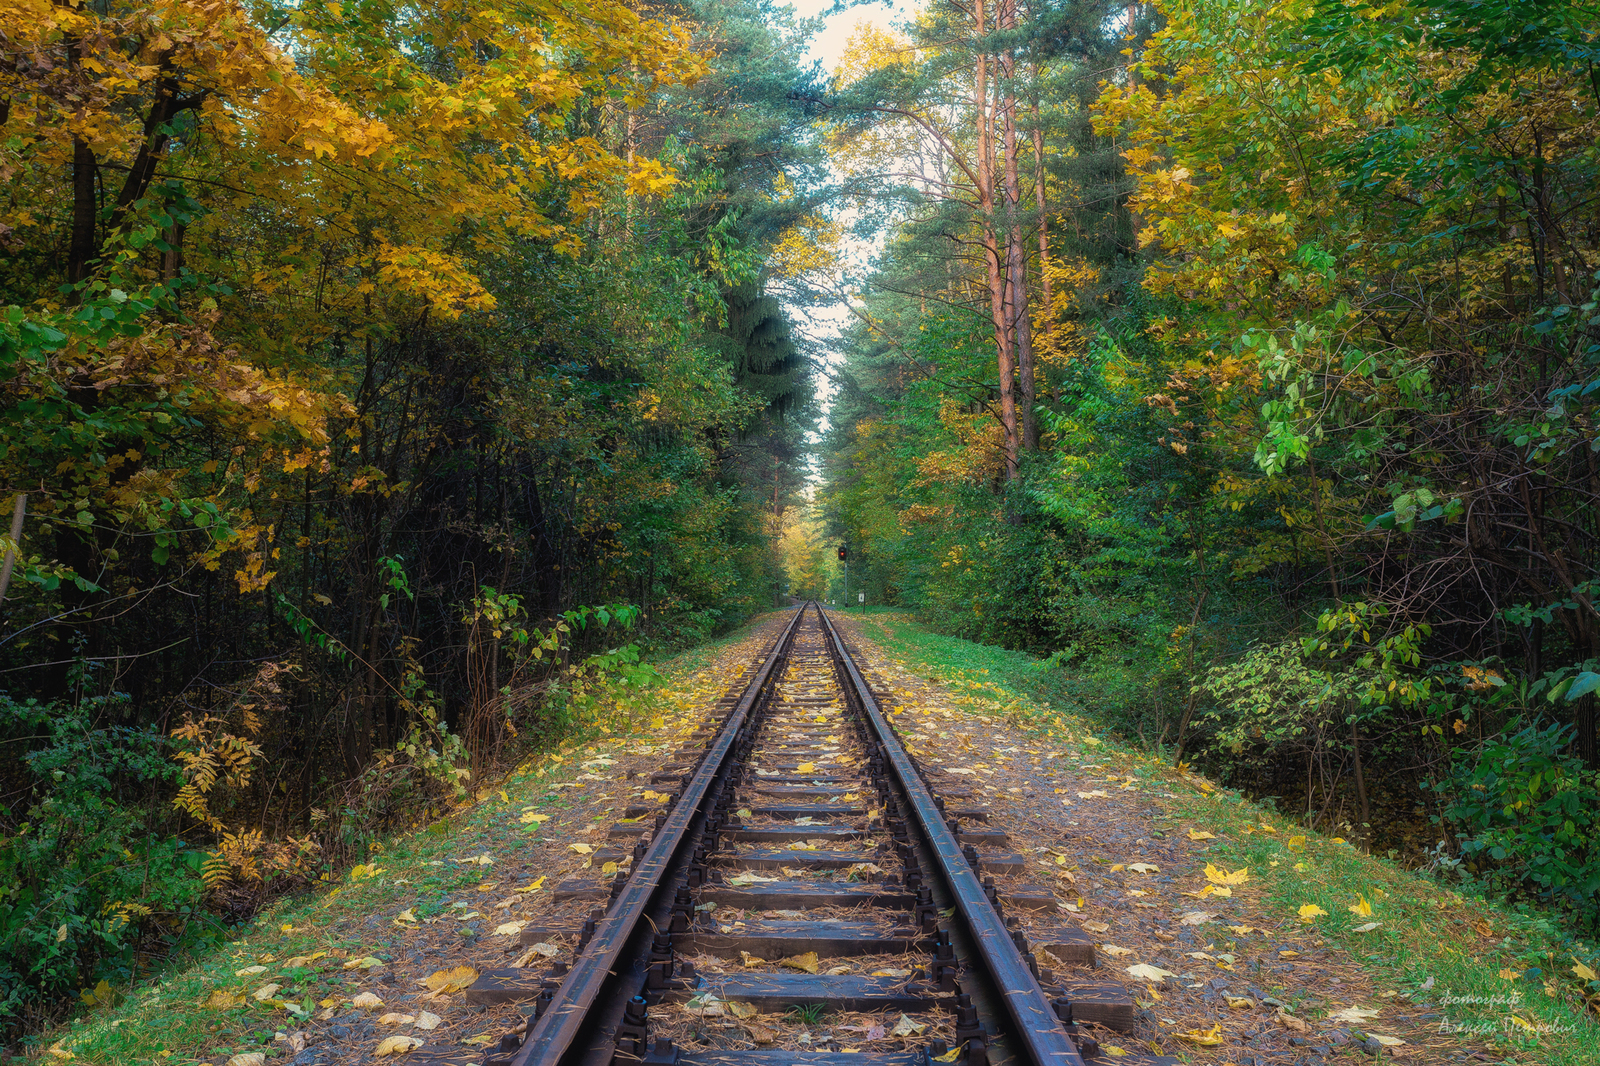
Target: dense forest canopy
(1241,359)
(381,383)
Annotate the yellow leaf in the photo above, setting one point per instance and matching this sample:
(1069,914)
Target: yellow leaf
(220,1000)
(1361,907)
(453,980)
(806,768)
(531,818)
(1219,876)
(581,849)
(365,963)
(806,962)
(366,1001)
(751,960)
(503,797)
(1510,975)
(534,886)
(481,1039)
(396,1045)
(1309,911)
(1584,971)
(1198,835)
(1211,1037)
(609,869)
(1110,1049)
(1297,842)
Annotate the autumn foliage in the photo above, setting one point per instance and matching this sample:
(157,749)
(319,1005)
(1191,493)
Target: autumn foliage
(352,357)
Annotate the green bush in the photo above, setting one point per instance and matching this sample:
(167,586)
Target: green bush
(1527,817)
(85,872)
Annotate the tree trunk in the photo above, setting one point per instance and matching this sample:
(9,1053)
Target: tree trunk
(1016,258)
(1361,781)
(991,247)
(81,250)
(1046,303)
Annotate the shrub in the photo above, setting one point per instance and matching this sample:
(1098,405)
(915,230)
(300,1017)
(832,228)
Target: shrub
(1527,818)
(84,875)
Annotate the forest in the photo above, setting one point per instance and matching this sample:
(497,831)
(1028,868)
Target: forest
(383,386)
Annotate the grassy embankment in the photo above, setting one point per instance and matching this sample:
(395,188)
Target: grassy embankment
(1506,976)
(203,1009)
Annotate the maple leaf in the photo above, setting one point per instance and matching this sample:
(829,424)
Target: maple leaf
(1218,876)
(1309,911)
(1361,907)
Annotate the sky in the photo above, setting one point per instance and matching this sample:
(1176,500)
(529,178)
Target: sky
(822,323)
(829,44)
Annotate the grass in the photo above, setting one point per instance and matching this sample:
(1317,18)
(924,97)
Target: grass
(201,1010)
(1505,977)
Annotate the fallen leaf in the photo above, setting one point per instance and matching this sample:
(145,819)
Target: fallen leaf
(396,1045)
(1114,951)
(1240,1002)
(1242,929)
(265,992)
(366,962)
(477,860)
(453,980)
(743,1010)
(1356,1015)
(532,818)
(1113,1050)
(532,886)
(249,1058)
(1218,876)
(1289,1021)
(1143,868)
(481,1039)
(1211,1037)
(1366,928)
(751,960)
(806,768)
(906,1027)
(396,1019)
(760,1034)
(508,929)
(249,971)
(366,1001)
(425,1020)
(299,961)
(891,973)
(581,849)
(1361,907)
(1309,911)
(1584,971)
(220,1000)
(548,950)
(1102,793)
(1195,917)
(806,962)
(1297,842)
(1395,1041)
(1144,971)
(1201,835)
(1097,927)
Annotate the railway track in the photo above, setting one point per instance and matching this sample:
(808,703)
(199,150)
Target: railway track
(794,888)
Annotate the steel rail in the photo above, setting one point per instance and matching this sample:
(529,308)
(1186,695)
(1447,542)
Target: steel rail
(1038,1028)
(561,1023)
